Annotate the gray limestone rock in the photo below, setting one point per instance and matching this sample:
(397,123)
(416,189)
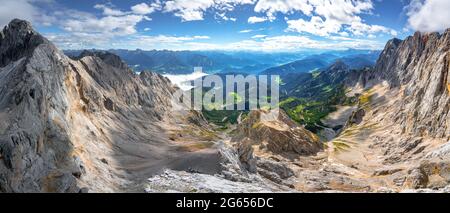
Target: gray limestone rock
(52,106)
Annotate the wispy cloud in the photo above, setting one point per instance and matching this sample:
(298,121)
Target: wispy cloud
(201,37)
(255,19)
(245,31)
(259,36)
(271,7)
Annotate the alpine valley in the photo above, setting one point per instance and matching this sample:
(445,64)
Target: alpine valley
(104,120)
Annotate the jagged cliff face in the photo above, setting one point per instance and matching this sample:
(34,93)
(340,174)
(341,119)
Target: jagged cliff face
(401,125)
(419,68)
(421,65)
(68,124)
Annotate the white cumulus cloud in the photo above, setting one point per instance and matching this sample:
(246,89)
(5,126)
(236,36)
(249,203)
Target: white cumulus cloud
(429,15)
(144,8)
(316,26)
(188,10)
(338,17)
(108,25)
(108,11)
(193,10)
(114,22)
(271,7)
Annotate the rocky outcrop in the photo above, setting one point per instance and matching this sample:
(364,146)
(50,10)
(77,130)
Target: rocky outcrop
(179,181)
(275,171)
(264,135)
(277,134)
(246,157)
(429,174)
(356,117)
(235,176)
(62,118)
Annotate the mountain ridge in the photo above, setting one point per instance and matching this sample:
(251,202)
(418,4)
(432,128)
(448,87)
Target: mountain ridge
(88,124)
(183,62)
(322,61)
(420,65)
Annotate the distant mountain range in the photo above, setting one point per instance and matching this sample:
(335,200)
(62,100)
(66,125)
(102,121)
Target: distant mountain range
(303,65)
(355,59)
(183,62)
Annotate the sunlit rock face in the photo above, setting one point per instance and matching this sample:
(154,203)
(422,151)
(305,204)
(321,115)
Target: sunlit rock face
(407,110)
(419,67)
(278,133)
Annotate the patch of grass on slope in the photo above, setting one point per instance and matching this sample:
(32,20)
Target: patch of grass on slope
(222,117)
(308,113)
(310,109)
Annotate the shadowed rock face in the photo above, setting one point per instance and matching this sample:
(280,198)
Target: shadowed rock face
(18,39)
(60,116)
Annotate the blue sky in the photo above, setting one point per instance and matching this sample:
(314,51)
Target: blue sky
(256,25)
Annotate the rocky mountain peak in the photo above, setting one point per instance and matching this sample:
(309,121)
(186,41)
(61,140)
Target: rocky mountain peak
(394,42)
(18,39)
(105,56)
(19,25)
(339,65)
(391,45)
